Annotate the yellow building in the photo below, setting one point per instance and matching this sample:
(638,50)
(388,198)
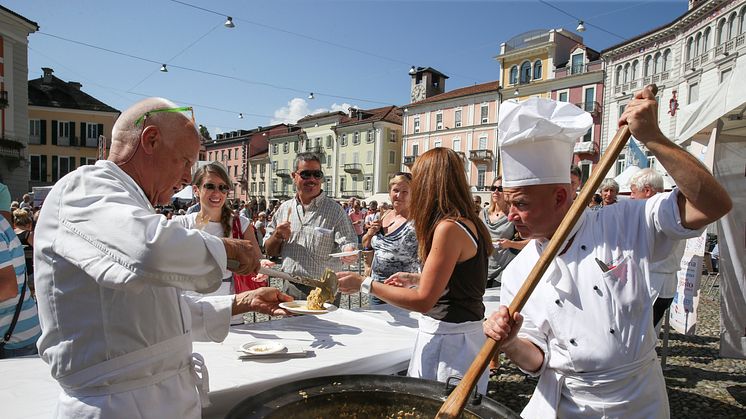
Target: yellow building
(66,126)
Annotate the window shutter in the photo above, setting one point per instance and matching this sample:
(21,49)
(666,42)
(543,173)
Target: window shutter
(100,132)
(43,169)
(72,164)
(42,131)
(82,161)
(73,140)
(54,132)
(83,134)
(55,169)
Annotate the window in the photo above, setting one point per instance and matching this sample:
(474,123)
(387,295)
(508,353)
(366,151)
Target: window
(693,93)
(261,187)
(456,144)
(666,60)
(90,161)
(229,151)
(356,138)
(235,171)
(38,168)
(209,156)
(732,26)
(457,118)
(484,114)
(275,149)
(658,66)
(415,149)
(577,63)
(65,165)
(369,157)
(563,96)
(356,157)
(482,143)
(392,136)
(590,98)
(317,142)
(343,140)
(724,74)
(392,157)
(34,131)
(417,124)
(537,70)
(481,172)
(743,20)
(368,184)
(722,32)
(328,141)
(626,78)
(327,183)
(285,149)
(342,158)
(525,72)
(514,74)
(634,69)
(329,161)
(438,143)
(706,40)
(618,78)
(253,187)
(342,185)
(274,166)
(648,66)
(63,133)
(439,121)
(371,136)
(621,163)
(588,135)
(621,110)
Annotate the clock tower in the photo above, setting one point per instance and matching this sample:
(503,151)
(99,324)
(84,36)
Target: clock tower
(426,82)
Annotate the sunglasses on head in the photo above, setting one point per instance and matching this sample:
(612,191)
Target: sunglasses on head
(494,188)
(211,187)
(308,174)
(405,174)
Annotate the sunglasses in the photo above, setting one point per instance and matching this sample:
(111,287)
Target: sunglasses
(405,174)
(494,188)
(308,174)
(211,187)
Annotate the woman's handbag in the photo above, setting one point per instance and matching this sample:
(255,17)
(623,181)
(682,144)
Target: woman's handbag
(243,283)
(13,322)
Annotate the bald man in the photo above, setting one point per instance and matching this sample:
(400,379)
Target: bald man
(116,330)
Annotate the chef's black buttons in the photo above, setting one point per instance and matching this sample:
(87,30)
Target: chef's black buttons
(595,287)
(611,331)
(557,301)
(572,341)
(582,247)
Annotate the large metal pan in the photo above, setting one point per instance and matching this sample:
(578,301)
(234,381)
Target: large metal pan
(360,396)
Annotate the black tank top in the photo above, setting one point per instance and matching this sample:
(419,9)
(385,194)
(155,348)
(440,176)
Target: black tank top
(462,299)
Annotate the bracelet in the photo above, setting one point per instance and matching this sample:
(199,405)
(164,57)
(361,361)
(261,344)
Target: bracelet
(366,285)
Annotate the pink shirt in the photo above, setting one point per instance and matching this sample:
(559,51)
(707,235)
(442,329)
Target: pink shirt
(358,219)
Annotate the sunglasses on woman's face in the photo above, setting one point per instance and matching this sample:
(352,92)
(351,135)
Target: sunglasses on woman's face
(308,174)
(494,188)
(211,187)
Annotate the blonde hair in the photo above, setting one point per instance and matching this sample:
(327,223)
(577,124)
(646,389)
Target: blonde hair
(440,189)
(21,217)
(493,204)
(400,178)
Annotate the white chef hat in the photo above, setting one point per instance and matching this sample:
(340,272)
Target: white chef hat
(536,139)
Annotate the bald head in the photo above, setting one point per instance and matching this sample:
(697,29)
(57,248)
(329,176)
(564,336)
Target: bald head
(537,210)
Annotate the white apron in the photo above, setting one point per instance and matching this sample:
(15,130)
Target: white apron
(140,384)
(445,350)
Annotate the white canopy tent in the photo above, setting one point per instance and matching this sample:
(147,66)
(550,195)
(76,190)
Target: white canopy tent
(186,194)
(623,179)
(716,126)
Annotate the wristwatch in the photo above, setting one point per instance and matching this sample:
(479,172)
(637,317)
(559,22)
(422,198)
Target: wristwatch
(365,286)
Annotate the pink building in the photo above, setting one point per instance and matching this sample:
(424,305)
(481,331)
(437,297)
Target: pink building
(464,120)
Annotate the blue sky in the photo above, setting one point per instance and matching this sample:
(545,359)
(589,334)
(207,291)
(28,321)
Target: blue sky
(351,52)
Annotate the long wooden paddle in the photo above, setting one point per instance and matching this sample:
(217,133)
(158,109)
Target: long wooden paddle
(455,402)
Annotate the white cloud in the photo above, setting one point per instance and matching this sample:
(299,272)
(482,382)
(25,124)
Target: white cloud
(298,108)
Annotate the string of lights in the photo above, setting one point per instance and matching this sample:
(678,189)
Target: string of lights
(582,22)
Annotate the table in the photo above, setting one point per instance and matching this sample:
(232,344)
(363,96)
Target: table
(378,340)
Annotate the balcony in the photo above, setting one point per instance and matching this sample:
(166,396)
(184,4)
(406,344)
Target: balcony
(317,149)
(353,193)
(462,155)
(409,160)
(353,168)
(585,147)
(481,155)
(572,70)
(282,173)
(593,108)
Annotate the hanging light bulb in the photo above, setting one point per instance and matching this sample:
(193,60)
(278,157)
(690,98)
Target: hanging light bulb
(163,68)
(240,116)
(581,27)
(310,96)
(229,23)
(412,71)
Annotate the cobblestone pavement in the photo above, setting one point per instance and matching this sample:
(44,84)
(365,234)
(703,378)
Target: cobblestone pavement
(699,382)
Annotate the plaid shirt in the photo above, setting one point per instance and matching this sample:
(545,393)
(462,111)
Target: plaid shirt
(317,230)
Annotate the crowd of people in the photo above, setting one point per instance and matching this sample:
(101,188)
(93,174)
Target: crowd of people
(120,303)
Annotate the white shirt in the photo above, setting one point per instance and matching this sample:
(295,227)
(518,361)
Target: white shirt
(596,328)
(116,330)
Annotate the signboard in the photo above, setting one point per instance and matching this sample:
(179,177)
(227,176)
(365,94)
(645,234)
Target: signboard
(40,194)
(686,300)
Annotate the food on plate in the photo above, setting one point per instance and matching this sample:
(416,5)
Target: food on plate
(315,300)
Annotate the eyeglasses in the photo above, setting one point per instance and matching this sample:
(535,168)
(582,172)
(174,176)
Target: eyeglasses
(307,174)
(211,187)
(141,119)
(405,174)
(494,188)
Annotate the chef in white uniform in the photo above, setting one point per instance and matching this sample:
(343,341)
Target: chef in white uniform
(116,329)
(587,330)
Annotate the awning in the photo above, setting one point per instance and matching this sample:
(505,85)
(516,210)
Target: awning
(185,194)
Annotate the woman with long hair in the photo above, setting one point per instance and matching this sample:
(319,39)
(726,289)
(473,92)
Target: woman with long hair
(212,184)
(392,236)
(454,246)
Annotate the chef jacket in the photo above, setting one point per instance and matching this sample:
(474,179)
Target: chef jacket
(116,330)
(595,328)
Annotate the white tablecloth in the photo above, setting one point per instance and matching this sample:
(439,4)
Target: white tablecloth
(378,340)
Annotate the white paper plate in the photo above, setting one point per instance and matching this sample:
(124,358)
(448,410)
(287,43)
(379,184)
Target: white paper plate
(262,347)
(301,307)
(344,254)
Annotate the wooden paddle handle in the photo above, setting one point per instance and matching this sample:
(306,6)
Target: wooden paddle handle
(455,402)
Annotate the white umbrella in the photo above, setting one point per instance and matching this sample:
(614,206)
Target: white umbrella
(186,193)
(623,178)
